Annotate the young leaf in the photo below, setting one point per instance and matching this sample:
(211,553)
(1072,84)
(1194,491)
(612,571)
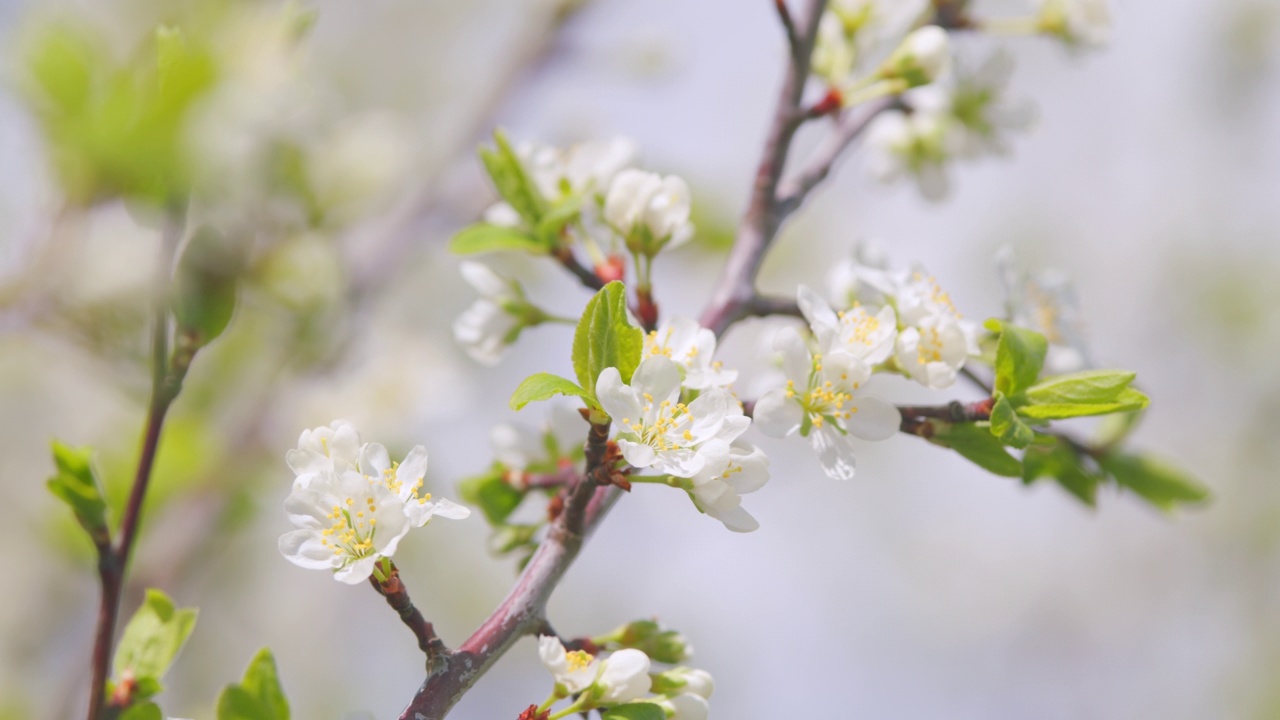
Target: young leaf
(142,711)
(258,696)
(153,637)
(511,180)
(483,238)
(1090,387)
(1053,460)
(1006,425)
(1159,483)
(1128,400)
(606,338)
(492,494)
(554,222)
(76,485)
(205,285)
(634,711)
(1019,357)
(544,386)
(978,445)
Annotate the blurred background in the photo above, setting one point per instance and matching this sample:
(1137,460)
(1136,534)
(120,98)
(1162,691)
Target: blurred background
(925,588)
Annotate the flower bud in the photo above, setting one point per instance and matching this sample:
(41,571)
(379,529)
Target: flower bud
(923,55)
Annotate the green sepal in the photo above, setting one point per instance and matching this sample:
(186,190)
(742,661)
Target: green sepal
(1007,426)
(544,386)
(484,238)
(1128,400)
(511,181)
(660,644)
(634,711)
(258,696)
(606,338)
(495,497)
(145,688)
(1019,357)
(77,486)
(205,284)
(1159,483)
(154,636)
(976,443)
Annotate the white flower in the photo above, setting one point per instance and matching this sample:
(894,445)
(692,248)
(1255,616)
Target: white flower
(655,429)
(1045,302)
(405,480)
(934,339)
(689,681)
(858,277)
(620,678)
(1077,22)
(730,472)
(820,401)
(491,323)
(686,706)
(916,145)
(693,348)
(984,115)
(591,166)
(650,210)
(923,57)
(352,505)
(345,523)
(332,448)
(862,331)
(852,33)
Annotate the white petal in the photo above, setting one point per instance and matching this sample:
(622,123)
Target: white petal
(305,548)
(739,520)
(618,400)
(374,460)
(639,455)
(484,280)
(835,452)
(777,415)
(625,676)
(446,508)
(357,572)
(689,707)
(873,419)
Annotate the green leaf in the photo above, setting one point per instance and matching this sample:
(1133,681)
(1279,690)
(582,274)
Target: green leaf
(1054,460)
(483,238)
(543,386)
(493,495)
(1019,357)
(511,181)
(1006,425)
(142,711)
(1128,400)
(978,445)
(258,696)
(606,338)
(1090,387)
(1158,482)
(153,637)
(554,221)
(204,285)
(77,486)
(634,711)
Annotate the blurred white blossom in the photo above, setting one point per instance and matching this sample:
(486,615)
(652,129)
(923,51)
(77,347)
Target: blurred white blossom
(651,211)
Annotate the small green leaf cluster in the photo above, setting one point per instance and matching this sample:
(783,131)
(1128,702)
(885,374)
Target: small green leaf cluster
(542,220)
(605,338)
(77,485)
(152,639)
(1022,405)
(258,695)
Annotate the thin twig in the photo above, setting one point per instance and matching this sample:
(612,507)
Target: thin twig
(760,222)
(113,564)
(793,191)
(789,27)
(580,271)
(523,611)
(397,596)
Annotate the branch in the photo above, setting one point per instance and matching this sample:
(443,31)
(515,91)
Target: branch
(114,561)
(580,271)
(792,193)
(523,612)
(760,222)
(916,417)
(398,598)
(789,27)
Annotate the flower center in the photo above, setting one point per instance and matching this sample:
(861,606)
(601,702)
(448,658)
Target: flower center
(578,659)
(352,529)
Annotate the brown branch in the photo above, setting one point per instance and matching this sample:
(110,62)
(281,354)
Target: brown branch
(915,418)
(397,596)
(761,220)
(165,382)
(793,191)
(523,611)
(584,274)
(789,27)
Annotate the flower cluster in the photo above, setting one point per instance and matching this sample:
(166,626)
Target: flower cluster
(622,677)
(351,504)
(663,428)
(493,322)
